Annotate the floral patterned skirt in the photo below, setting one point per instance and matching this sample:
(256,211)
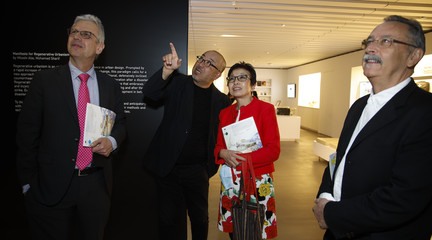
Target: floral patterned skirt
(266,197)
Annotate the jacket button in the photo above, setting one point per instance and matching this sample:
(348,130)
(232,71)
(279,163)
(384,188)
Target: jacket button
(73,159)
(76,139)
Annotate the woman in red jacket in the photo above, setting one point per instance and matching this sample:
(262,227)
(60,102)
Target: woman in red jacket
(241,82)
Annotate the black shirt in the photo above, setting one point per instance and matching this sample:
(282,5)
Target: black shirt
(195,150)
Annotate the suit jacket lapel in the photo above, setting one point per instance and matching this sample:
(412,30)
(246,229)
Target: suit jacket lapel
(103,96)
(214,104)
(383,117)
(350,123)
(67,87)
(386,115)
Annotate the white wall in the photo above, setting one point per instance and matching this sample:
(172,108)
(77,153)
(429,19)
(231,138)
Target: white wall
(335,93)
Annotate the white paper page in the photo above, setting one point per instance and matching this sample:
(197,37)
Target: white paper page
(99,123)
(242,136)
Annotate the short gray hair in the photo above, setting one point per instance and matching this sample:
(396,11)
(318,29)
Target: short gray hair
(415,29)
(95,20)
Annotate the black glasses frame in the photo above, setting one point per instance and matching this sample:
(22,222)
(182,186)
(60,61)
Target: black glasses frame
(83,34)
(384,42)
(240,78)
(208,63)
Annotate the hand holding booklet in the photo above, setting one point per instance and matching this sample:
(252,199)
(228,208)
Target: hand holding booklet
(240,136)
(99,122)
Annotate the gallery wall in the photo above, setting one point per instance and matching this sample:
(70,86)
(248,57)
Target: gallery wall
(335,90)
(334,96)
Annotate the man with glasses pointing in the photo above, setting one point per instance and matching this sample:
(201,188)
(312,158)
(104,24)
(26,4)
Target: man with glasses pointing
(181,153)
(381,186)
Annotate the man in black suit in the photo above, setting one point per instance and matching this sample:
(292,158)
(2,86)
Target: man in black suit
(63,200)
(381,186)
(181,152)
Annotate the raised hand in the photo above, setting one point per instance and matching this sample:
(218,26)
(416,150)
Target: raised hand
(171,62)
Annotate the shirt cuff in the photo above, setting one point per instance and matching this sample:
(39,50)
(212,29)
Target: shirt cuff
(113,142)
(327,196)
(25,188)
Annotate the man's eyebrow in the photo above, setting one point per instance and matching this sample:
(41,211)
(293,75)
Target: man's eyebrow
(210,59)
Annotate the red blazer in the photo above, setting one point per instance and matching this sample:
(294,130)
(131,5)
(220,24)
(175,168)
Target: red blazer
(265,119)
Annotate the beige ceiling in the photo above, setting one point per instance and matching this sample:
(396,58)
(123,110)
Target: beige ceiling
(287,33)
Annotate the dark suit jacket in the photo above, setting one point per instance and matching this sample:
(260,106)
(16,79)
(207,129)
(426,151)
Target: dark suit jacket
(48,132)
(387,181)
(177,96)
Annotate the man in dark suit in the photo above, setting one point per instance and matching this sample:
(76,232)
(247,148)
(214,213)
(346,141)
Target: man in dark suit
(67,197)
(381,186)
(180,154)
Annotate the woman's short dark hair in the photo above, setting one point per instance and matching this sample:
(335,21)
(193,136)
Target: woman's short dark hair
(246,66)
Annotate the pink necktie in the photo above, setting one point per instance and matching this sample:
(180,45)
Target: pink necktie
(85,154)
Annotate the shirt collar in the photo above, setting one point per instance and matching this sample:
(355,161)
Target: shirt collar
(384,96)
(75,72)
(247,106)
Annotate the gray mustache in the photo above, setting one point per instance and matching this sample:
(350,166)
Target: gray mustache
(369,57)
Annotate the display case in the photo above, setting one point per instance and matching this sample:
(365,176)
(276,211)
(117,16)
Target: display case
(264,90)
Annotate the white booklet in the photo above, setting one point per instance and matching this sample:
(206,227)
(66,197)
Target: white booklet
(242,136)
(99,123)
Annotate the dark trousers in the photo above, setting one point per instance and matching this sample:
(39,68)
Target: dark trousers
(82,213)
(184,191)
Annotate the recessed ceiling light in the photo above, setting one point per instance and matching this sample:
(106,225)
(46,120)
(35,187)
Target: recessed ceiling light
(229,35)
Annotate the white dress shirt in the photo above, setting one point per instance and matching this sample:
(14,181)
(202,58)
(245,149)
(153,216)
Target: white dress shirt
(93,88)
(374,104)
(92,84)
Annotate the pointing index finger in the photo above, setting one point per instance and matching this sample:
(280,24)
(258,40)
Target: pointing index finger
(173,50)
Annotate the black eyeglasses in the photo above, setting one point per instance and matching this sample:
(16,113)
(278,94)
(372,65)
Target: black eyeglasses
(384,42)
(200,59)
(83,34)
(240,78)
